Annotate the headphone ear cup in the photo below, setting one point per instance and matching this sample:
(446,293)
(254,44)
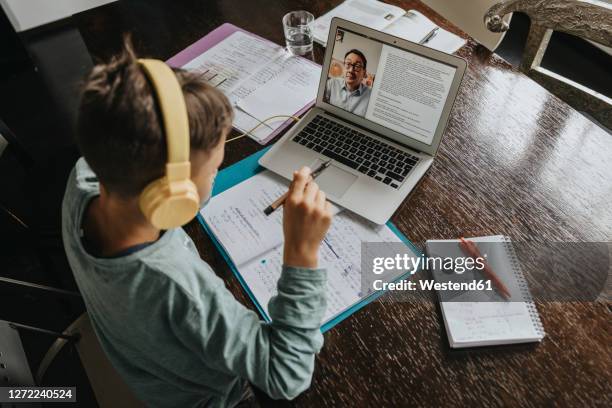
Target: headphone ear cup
(169,205)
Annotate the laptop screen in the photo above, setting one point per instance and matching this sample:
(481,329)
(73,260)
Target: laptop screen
(394,88)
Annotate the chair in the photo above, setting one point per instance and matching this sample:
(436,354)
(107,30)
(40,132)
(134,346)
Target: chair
(109,388)
(588,19)
(15,144)
(31,216)
(24,159)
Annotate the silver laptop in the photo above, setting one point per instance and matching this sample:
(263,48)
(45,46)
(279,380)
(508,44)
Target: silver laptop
(381,109)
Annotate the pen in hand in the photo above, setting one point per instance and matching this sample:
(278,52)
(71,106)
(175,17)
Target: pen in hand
(470,249)
(281,200)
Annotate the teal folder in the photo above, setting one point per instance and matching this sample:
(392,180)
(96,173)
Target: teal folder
(242,170)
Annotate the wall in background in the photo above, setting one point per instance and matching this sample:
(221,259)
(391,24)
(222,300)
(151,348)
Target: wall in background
(26,14)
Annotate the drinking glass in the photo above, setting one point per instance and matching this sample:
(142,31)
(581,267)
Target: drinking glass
(297,26)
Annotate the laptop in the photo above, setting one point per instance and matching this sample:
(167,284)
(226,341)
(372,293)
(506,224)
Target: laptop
(381,109)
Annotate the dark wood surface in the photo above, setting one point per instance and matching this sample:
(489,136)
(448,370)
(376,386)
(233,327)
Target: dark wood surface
(514,160)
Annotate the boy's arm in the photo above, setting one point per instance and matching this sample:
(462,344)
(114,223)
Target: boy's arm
(278,357)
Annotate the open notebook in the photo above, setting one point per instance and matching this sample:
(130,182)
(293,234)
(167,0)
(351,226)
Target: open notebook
(409,25)
(253,242)
(486,319)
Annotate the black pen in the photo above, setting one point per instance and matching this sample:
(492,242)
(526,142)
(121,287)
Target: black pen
(429,36)
(281,200)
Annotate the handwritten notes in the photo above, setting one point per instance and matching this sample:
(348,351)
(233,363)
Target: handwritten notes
(340,254)
(237,219)
(481,323)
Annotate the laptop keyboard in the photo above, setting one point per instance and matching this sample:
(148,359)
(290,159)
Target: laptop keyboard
(352,148)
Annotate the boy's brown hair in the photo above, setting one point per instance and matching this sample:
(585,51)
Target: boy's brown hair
(119,126)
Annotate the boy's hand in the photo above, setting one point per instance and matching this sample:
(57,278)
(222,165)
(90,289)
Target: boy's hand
(306,218)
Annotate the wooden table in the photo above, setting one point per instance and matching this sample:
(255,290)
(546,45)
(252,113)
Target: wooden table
(514,160)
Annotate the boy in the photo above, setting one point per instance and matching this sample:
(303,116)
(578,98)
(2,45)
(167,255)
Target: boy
(165,320)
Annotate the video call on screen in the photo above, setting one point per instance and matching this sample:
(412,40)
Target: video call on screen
(391,87)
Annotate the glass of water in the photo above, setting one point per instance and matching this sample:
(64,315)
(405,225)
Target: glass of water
(298,32)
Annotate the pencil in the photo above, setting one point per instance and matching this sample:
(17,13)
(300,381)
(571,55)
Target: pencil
(470,249)
(281,200)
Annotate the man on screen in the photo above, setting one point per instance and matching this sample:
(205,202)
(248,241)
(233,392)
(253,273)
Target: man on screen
(348,92)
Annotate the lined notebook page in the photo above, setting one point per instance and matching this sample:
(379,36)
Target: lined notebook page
(237,219)
(490,320)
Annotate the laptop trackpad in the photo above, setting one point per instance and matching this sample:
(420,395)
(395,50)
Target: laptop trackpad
(334,181)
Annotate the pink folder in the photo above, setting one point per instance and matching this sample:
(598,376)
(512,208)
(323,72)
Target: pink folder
(212,39)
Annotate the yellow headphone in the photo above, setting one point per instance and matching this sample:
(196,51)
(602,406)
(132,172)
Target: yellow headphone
(172,200)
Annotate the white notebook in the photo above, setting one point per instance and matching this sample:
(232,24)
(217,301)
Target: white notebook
(488,319)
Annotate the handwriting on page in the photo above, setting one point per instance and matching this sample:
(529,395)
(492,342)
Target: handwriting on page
(340,254)
(489,320)
(236,217)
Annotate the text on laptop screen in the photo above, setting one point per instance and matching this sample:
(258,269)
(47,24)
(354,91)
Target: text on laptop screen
(389,86)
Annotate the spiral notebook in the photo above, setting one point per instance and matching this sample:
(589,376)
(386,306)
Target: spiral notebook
(484,318)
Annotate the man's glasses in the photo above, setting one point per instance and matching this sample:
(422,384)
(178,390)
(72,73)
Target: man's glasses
(357,67)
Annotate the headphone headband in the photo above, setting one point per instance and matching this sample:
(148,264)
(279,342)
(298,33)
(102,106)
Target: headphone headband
(173,109)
